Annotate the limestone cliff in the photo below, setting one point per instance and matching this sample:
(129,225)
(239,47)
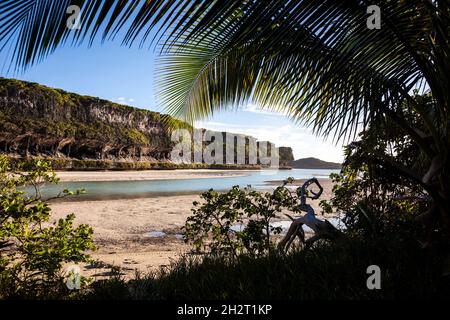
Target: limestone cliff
(39,121)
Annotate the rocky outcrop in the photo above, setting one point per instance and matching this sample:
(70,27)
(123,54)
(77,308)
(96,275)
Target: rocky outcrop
(286,156)
(39,121)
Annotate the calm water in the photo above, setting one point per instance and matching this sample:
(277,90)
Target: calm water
(117,189)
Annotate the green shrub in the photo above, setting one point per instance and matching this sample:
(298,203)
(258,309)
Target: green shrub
(32,250)
(212,226)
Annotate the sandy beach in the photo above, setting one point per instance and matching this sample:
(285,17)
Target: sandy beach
(143,233)
(76,176)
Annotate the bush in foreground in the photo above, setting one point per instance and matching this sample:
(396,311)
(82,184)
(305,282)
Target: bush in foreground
(33,250)
(327,271)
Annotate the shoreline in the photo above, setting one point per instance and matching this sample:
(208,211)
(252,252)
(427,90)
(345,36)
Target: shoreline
(295,183)
(147,175)
(131,176)
(153,175)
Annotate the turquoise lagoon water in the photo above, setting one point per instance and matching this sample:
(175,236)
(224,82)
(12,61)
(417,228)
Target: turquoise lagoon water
(118,189)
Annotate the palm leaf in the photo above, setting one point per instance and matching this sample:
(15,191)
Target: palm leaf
(313,59)
(327,75)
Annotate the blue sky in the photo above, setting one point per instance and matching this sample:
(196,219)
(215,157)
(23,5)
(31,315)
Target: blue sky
(126,75)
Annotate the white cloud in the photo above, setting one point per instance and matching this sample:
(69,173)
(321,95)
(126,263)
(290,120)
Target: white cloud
(123,100)
(256,109)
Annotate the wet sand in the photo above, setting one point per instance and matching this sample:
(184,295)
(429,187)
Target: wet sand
(77,176)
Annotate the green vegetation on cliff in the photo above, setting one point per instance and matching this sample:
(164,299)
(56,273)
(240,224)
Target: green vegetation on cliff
(82,132)
(37,120)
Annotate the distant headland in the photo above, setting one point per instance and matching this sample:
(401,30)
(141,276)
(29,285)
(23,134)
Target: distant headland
(314,163)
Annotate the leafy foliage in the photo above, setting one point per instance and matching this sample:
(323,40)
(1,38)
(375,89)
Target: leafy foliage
(33,250)
(327,271)
(239,220)
(380,190)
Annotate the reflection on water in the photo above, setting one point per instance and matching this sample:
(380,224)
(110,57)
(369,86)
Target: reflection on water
(116,189)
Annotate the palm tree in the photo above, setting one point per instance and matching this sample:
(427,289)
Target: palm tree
(315,60)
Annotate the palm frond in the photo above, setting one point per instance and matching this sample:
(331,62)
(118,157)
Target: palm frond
(313,59)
